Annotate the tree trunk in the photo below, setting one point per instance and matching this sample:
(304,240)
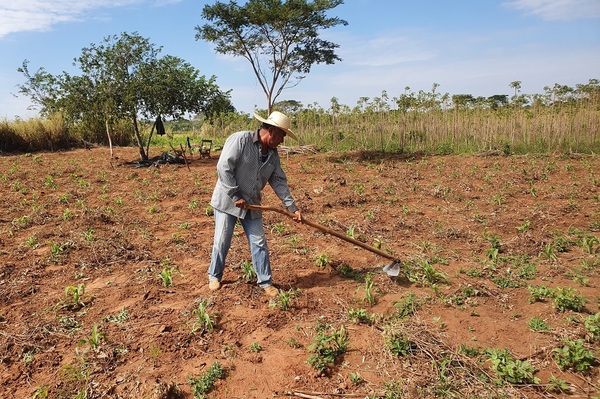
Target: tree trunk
(136,130)
(109,139)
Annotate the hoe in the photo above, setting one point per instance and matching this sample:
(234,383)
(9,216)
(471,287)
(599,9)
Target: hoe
(393,269)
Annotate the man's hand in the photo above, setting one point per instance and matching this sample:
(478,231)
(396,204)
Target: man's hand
(298,217)
(241,203)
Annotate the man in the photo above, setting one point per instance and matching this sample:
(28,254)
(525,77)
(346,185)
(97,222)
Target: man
(248,162)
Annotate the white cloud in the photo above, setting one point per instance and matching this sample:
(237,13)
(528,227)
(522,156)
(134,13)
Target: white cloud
(558,9)
(41,15)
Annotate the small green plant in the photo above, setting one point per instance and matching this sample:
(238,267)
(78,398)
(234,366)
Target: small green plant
(40,392)
(549,252)
(537,324)
(567,298)
(202,321)
(255,347)
(119,317)
(67,214)
(524,227)
(322,260)
(193,204)
(284,299)
(327,348)
(347,271)
(166,275)
(351,231)
(204,383)
(355,378)
(408,306)
(49,183)
(369,294)
(88,234)
(557,385)
(74,296)
(278,228)
(248,271)
(538,293)
(399,344)
(592,323)
(511,370)
(359,316)
(495,247)
(94,339)
(209,211)
(574,355)
(393,390)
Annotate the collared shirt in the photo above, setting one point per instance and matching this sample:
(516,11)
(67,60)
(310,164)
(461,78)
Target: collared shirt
(243,174)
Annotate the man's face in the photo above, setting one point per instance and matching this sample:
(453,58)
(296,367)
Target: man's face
(276,136)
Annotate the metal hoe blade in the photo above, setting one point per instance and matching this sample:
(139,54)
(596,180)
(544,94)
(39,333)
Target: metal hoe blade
(393,269)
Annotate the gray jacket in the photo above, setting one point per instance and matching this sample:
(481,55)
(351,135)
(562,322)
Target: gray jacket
(242,174)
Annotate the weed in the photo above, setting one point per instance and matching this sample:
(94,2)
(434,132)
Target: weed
(495,248)
(347,271)
(408,306)
(511,370)
(248,271)
(327,348)
(40,392)
(592,323)
(119,317)
(88,234)
(202,322)
(293,343)
(67,214)
(537,324)
(204,383)
(351,231)
(322,260)
(567,298)
(255,347)
(574,355)
(557,385)
(469,351)
(49,183)
(393,390)
(398,344)
(539,293)
(355,378)
(209,211)
(359,316)
(193,204)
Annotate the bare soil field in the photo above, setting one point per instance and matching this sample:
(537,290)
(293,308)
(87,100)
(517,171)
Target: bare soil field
(103,285)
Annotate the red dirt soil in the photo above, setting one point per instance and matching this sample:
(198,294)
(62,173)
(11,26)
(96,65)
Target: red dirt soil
(71,218)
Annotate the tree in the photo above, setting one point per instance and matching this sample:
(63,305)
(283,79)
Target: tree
(280,39)
(123,78)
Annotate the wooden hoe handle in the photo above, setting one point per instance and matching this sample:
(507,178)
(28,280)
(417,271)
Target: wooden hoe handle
(324,229)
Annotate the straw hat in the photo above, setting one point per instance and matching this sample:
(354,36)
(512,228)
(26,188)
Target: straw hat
(279,120)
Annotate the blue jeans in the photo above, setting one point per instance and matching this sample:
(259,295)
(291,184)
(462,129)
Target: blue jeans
(255,233)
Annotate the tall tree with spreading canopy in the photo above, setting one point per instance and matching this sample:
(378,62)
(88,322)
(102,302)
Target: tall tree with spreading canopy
(280,39)
(123,78)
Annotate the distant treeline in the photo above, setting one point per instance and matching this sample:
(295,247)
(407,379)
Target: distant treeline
(562,119)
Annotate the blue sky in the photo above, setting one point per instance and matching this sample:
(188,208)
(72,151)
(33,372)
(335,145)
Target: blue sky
(466,46)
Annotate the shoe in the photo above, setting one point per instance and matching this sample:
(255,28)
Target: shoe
(271,291)
(214,285)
